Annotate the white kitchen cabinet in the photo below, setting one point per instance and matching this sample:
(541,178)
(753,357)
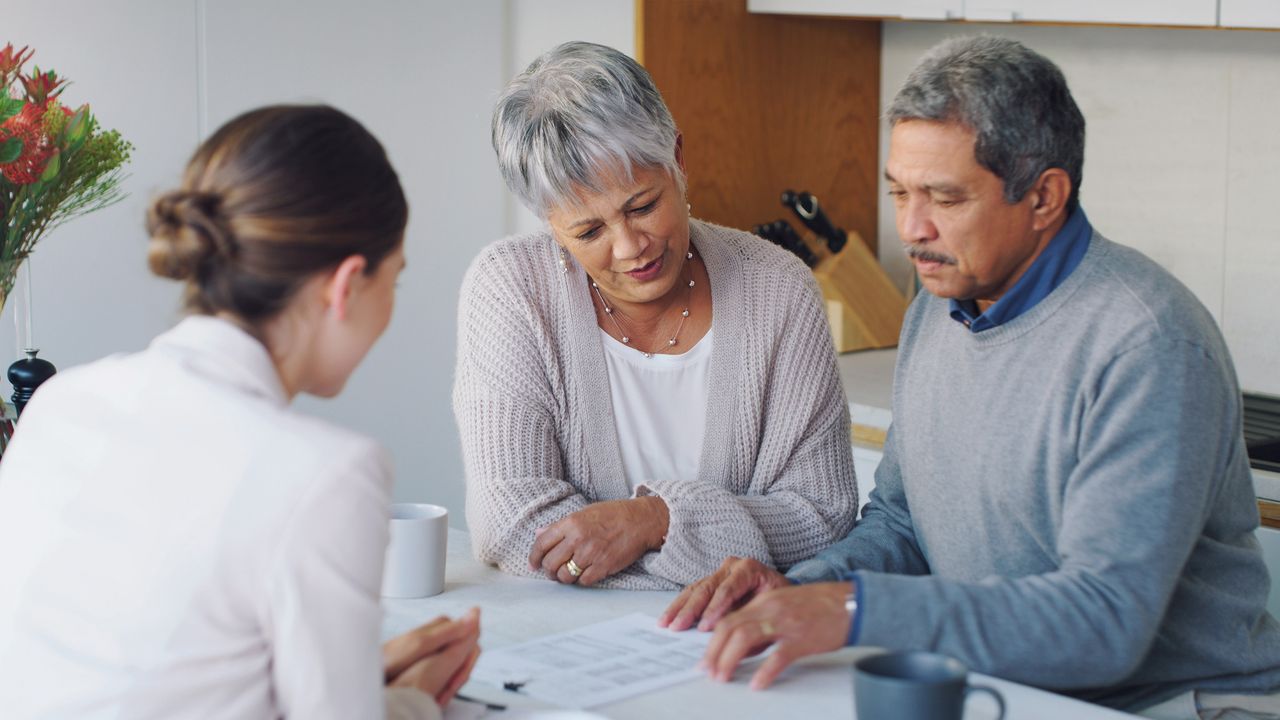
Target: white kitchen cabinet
(1249,13)
(1135,12)
(906,9)
(1129,12)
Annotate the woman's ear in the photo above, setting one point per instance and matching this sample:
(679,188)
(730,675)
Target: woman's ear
(342,281)
(680,151)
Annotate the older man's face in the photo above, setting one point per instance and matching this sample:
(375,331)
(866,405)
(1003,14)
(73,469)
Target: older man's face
(966,242)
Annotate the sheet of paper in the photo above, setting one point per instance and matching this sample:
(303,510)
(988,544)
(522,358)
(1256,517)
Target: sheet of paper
(462,710)
(596,664)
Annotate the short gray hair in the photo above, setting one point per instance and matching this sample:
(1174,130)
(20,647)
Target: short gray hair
(578,114)
(1014,99)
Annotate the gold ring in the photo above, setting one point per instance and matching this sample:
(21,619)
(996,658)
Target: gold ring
(766,627)
(573,568)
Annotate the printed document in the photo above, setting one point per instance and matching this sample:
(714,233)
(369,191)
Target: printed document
(596,664)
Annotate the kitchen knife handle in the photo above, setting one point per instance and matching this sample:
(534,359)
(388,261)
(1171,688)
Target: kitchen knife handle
(792,241)
(805,205)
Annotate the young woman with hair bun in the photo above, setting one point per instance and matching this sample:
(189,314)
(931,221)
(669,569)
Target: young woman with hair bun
(178,540)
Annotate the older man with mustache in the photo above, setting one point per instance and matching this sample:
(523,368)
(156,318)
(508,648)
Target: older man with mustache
(1065,498)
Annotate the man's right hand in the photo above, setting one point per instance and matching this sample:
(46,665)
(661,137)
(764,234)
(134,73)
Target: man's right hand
(711,598)
(436,658)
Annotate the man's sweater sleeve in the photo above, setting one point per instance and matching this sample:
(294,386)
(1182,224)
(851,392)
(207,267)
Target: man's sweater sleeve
(883,540)
(1155,434)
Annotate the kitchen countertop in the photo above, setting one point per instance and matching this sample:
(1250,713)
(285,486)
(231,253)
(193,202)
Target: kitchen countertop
(867,377)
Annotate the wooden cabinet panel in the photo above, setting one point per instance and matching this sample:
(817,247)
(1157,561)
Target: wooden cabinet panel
(769,102)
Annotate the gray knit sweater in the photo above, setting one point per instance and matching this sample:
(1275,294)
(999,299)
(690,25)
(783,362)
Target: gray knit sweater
(1065,500)
(531,396)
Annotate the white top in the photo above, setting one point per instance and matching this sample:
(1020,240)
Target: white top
(659,409)
(175,541)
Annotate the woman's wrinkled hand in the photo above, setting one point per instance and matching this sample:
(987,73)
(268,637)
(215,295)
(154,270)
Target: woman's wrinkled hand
(435,658)
(600,539)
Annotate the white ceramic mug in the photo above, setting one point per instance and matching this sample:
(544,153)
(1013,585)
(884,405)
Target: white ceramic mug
(416,552)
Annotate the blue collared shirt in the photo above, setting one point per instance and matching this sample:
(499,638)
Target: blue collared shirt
(1055,263)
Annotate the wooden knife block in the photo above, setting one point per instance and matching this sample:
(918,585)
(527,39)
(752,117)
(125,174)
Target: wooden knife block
(864,308)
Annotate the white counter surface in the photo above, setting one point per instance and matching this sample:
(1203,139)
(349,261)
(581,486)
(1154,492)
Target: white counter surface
(867,377)
(517,609)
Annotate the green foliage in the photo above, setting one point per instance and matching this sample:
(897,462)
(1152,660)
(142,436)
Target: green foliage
(80,165)
(9,107)
(10,150)
(83,177)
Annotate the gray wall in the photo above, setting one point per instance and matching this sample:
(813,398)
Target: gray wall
(421,75)
(539,25)
(137,66)
(1180,164)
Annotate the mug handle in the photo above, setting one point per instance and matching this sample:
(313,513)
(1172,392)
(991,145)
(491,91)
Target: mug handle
(995,694)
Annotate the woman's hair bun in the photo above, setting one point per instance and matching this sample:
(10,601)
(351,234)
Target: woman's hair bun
(271,199)
(187,232)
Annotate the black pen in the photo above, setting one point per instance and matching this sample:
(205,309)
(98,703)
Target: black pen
(488,705)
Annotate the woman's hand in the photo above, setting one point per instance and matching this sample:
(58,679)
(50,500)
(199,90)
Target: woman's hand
(436,658)
(601,539)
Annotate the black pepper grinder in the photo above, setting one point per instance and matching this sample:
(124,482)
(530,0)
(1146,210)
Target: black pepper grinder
(28,374)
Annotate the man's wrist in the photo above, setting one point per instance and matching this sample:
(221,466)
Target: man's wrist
(852,601)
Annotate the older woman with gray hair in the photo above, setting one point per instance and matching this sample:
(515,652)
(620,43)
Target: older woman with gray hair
(640,395)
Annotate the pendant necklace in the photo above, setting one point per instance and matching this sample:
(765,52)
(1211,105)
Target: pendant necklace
(613,314)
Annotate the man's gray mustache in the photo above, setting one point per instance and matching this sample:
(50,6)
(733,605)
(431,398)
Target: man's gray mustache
(916,252)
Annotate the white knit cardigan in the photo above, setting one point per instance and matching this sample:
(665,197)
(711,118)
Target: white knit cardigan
(531,397)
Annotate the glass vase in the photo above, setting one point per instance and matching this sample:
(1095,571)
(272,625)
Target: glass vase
(8,281)
(15,291)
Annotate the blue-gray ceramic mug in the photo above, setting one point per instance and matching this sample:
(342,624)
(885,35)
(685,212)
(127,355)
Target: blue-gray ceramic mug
(914,686)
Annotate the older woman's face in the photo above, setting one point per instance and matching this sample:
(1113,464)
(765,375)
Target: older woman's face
(631,238)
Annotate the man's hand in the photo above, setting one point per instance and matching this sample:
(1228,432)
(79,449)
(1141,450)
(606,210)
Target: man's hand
(436,658)
(711,598)
(801,620)
(601,539)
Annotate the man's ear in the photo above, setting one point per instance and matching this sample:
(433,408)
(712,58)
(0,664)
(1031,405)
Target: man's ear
(341,282)
(1049,197)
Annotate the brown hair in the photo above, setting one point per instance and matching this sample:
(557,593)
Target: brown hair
(273,197)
